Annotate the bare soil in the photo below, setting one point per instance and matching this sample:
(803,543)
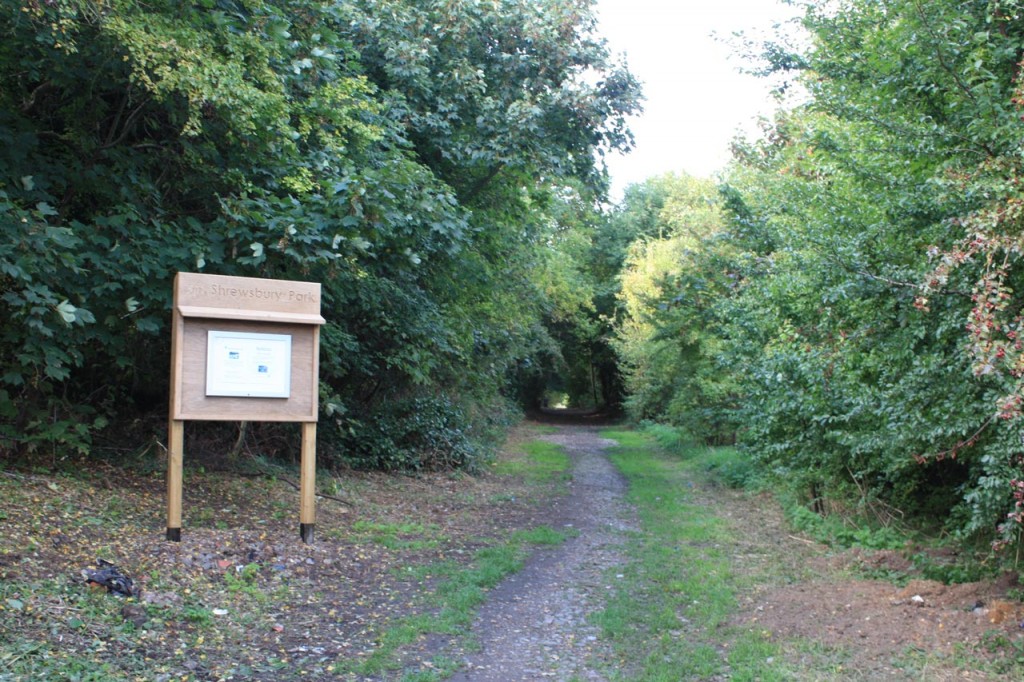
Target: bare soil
(870,629)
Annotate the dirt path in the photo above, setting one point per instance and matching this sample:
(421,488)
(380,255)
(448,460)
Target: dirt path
(534,625)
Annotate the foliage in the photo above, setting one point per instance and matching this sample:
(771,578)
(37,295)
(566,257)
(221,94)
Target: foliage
(839,532)
(407,155)
(875,219)
(959,570)
(854,380)
(667,332)
(728,466)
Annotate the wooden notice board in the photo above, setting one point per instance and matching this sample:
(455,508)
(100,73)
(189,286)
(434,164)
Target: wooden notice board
(244,349)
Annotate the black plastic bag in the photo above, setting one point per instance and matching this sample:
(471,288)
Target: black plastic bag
(110,576)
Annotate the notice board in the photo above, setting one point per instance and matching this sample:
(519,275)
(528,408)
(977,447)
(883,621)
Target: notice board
(245,349)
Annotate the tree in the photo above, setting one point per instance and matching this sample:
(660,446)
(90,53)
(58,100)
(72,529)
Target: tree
(402,153)
(863,231)
(667,334)
(847,198)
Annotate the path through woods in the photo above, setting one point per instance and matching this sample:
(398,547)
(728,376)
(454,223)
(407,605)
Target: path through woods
(534,625)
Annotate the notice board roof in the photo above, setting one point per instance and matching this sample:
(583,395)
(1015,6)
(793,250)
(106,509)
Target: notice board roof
(246,298)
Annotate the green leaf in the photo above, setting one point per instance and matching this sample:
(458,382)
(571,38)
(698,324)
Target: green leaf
(67,311)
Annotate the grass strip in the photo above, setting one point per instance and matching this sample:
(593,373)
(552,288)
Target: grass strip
(457,597)
(667,617)
(542,462)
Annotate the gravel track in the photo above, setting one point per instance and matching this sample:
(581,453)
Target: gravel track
(534,625)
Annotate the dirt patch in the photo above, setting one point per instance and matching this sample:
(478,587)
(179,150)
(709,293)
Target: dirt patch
(873,628)
(240,597)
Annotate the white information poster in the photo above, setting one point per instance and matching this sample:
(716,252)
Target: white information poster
(248,365)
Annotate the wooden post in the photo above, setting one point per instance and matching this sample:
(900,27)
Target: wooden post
(307,483)
(175,456)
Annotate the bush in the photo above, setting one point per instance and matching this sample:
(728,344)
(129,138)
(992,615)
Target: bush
(416,434)
(669,438)
(733,468)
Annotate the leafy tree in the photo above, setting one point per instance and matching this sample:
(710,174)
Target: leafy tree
(402,153)
(668,337)
(497,95)
(851,383)
(867,227)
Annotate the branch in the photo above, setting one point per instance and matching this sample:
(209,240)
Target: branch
(483,182)
(324,495)
(804,540)
(946,67)
(953,451)
(296,485)
(126,127)
(29,104)
(116,121)
(901,284)
(910,285)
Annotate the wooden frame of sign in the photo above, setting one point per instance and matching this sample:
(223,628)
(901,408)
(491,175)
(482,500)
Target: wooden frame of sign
(244,349)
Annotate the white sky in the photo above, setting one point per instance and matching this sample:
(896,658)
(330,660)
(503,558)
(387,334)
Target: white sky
(696,99)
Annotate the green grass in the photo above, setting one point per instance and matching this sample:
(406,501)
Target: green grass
(725,465)
(543,535)
(667,618)
(441,668)
(85,615)
(543,462)
(411,536)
